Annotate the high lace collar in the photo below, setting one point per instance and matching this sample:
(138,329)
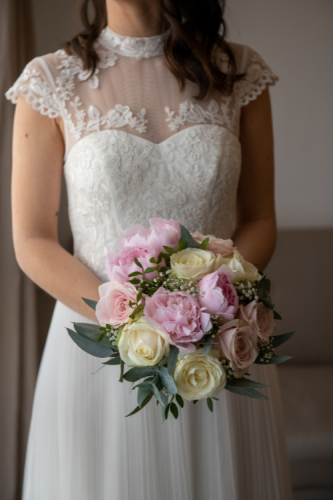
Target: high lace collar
(139,48)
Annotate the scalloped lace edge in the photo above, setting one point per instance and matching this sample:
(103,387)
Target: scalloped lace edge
(37,103)
(267,79)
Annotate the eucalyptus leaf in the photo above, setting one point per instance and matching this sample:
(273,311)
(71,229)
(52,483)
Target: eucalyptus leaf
(187,238)
(174,410)
(167,380)
(216,399)
(164,398)
(172,359)
(143,392)
(157,395)
(208,344)
(92,332)
(281,339)
(113,361)
(90,303)
(138,372)
(138,408)
(89,346)
(146,382)
(246,382)
(242,391)
(210,404)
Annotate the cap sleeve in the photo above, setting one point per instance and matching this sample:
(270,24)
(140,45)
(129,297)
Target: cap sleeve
(257,76)
(36,85)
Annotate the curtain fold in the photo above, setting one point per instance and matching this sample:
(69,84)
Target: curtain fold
(19,351)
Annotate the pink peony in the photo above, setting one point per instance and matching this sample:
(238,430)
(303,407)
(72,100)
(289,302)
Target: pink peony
(161,233)
(119,266)
(215,245)
(113,307)
(219,296)
(260,318)
(179,315)
(237,341)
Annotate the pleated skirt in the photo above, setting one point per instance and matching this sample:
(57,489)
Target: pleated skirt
(81,446)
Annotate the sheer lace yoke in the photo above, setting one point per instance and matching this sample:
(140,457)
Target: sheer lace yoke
(133,90)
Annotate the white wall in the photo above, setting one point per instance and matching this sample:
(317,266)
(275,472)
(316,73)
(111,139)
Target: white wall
(295,37)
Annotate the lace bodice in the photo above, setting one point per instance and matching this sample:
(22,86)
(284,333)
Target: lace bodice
(137,147)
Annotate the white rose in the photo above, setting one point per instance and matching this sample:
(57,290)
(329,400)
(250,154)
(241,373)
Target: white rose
(198,376)
(141,345)
(192,263)
(242,270)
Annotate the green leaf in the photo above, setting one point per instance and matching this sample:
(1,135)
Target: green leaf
(242,391)
(138,408)
(92,332)
(172,359)
(113,361)
(101,337)
(245,382)
(138,372)
(134,281)
(159,396)
(210,404)
(195,401)
(208,344)
(181,245)
(90,303)
(174,410)
(216,399)
(147,381)
(166,412)
(150,269)
(143,392)
(135,273)
(89,346)
(138,263)
(281,339)
(138,297)
(152,260)
(169,250)
(187,237)
(276,315)
(204,244)
(167,380)
(180,400)
(267,303)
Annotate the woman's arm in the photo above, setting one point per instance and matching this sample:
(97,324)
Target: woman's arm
(255,234)
(38,150)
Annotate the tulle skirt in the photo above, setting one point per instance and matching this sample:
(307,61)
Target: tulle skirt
(81,446)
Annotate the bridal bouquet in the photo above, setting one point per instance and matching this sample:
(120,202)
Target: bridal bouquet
(185,313)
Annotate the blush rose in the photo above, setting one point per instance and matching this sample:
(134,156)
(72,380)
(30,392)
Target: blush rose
(113,307)
(237,341)
(259,317)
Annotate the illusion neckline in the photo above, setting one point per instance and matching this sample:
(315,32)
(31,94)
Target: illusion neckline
(137,47)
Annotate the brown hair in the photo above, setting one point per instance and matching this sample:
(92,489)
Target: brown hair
(196,36)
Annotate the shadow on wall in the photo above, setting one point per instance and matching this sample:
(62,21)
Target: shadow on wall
(302,274)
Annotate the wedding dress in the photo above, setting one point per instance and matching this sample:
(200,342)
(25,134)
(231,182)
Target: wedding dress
(136,148)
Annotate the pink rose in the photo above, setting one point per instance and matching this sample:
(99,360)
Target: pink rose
(237,341)
(113,307)
(119,266)
(162,232)
(179,315)
(259,316)
(215,245)
(219,296)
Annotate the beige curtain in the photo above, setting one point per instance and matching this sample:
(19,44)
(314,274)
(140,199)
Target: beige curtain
(19,350)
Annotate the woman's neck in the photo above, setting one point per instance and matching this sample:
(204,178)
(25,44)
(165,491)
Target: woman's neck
(135,18)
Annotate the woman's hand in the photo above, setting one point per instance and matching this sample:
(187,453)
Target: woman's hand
(255,234)
(38,151)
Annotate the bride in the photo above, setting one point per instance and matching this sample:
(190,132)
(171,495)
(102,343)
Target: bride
(151,113)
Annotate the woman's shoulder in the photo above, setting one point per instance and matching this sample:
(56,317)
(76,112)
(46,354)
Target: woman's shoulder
(254,74)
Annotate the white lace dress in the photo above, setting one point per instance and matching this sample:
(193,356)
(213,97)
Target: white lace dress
(138,148)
